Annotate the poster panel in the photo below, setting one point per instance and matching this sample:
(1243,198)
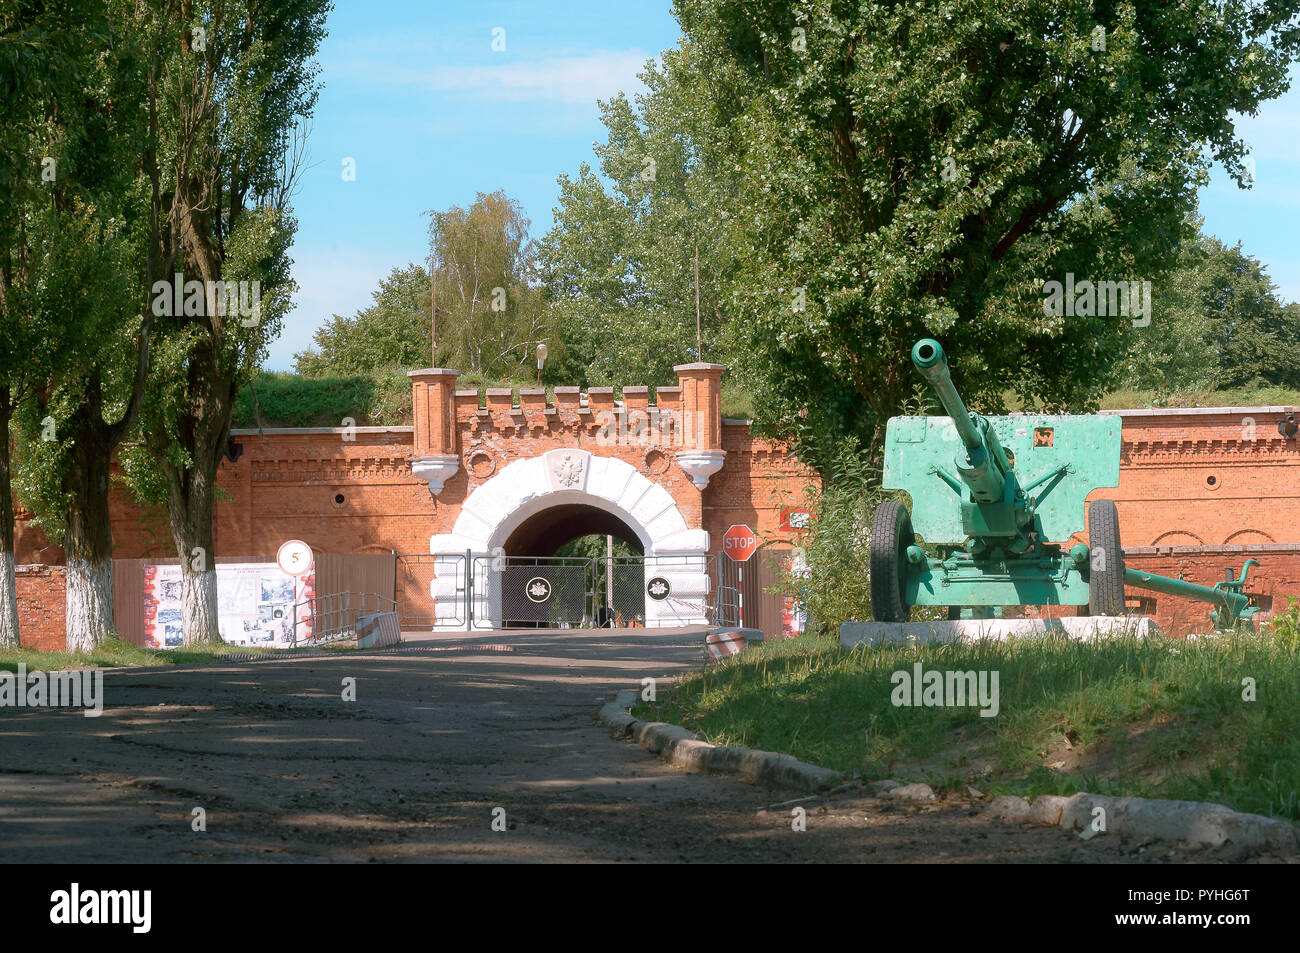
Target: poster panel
(255,605)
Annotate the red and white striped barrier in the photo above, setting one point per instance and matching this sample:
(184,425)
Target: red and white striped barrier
(377,630)
(723,644)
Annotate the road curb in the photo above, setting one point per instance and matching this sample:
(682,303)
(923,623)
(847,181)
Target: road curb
(1192,822)
(684,749)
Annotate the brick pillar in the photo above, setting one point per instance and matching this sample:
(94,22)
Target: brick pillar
(436,455)
(701,405)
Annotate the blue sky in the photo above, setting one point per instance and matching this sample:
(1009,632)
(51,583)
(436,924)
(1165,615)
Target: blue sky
(432,115)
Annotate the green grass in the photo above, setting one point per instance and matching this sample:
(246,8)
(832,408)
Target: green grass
(114,653)
(1143,717)
(288,400)
(1239,397)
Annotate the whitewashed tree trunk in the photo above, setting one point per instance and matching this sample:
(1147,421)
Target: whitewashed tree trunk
(8,584)
(89,602)
(191,512)
(8,601)
(88,535)
(199,605)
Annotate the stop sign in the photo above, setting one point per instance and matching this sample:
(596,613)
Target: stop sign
(739,542)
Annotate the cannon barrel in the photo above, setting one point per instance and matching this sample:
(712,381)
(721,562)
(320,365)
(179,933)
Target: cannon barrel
(928,356)
(985,463)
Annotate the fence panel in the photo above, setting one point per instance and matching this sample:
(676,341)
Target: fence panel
(416,606)
(620,591)
(534,591)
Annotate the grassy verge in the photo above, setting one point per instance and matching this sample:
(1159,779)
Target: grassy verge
(1142,717)
(114,653)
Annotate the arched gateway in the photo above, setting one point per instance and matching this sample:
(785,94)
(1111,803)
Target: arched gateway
(566,493)
(511,483)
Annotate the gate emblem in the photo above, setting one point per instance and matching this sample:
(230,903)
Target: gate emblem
(658,588)
(538,589)
(567,469)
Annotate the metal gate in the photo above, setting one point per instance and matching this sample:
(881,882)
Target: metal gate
(467,591)
(620,591)
(413,590)
(532,591)
(727,593)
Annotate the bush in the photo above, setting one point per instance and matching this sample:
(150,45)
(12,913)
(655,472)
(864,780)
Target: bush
(834,582)
(290,400)
(1285,626)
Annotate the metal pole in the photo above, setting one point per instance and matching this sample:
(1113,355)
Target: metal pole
(699,340)
(609,572)
(740,592)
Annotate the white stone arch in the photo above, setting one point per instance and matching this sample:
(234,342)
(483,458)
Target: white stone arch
(566,476)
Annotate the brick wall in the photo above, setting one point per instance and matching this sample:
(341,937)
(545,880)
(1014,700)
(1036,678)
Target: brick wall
(1202,478)
(1207,477)
(352,491)
(41,601)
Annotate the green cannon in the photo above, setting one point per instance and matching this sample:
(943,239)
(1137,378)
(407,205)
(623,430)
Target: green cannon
(999,541)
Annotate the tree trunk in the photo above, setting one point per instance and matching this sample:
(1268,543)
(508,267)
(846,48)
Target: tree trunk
(88,538)
(8,586)
(191,511)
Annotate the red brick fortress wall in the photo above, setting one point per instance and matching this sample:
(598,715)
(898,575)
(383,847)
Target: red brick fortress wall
(41,600)
(1200,489)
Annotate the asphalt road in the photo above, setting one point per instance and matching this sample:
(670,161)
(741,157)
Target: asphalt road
(443,737)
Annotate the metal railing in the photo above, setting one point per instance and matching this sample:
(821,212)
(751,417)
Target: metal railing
(334,616)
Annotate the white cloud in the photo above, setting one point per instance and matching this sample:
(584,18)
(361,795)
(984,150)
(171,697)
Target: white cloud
(581,78)
(329,282)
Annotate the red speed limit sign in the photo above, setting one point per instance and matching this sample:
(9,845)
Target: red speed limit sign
(739,542)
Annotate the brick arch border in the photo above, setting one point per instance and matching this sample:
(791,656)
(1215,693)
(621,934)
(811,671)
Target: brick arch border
(1237,538)
(569,475)
(1160,540)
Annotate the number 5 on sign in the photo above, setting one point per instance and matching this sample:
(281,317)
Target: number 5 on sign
(294,557)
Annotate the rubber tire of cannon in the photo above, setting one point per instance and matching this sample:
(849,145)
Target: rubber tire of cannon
(891,534)
(1105,584)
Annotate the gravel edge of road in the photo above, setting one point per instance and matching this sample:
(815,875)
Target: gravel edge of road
(685,750)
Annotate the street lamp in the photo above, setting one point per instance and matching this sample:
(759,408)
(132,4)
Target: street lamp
(541,359)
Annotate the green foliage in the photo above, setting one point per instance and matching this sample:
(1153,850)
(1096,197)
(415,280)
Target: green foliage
(1285,625)
(288,400)
(393,332)
(1217,324)
(903,170)
(71,218)
(1194,397)
(491,314)
(490,310)
(593,547)
(834,583)
(619,264)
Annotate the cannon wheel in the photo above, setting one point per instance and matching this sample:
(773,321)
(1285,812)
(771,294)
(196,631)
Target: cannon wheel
(1106,572)
(891,534)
